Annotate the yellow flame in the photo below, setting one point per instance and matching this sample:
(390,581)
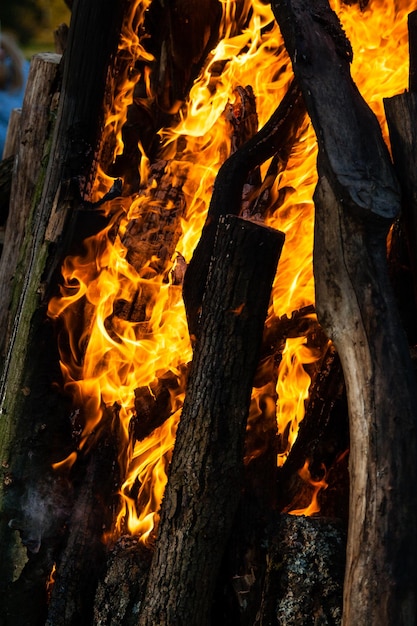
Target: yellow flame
(106,358)
(316,485)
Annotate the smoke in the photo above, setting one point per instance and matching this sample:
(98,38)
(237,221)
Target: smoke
(45,509)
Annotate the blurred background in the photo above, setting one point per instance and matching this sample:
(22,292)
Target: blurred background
(33,22)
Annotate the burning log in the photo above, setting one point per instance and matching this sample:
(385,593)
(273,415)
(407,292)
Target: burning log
(356,200)
(206,472)
(32,410)
(401,112)
(227,191)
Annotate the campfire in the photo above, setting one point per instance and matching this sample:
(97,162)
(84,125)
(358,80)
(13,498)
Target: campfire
(214,393)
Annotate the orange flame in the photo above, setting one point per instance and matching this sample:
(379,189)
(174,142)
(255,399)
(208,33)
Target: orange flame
(105,361)
(317,486)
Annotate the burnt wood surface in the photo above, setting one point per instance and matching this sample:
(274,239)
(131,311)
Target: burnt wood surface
(302,589)
(35,119)
(206,470)
(30,401)
(356,200)
(401,112)
(275,136)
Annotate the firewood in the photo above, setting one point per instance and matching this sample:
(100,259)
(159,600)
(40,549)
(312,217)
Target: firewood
(412,43)
(227,192)
(323,433)
(304,579)
(34,125)
(356,200)
(82,558)
(31,407)
(13,133)
(401,112)
(206,470)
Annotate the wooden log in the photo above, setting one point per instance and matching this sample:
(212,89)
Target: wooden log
(206,470)
(227,192)
(356,200)
(412,45)
(322,435)
(304,579)
(13,134)
(34,124)
(96,25)
(401,112)
(81,562)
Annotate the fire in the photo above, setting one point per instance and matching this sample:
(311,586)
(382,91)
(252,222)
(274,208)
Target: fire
(106,359)
(315,485)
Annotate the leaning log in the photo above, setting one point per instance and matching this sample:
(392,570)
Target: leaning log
(206,470)
(33,413)
(356,200)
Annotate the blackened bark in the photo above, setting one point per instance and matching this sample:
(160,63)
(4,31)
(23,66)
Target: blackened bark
(274,137)
(206,470)
(356,200)
(401,112)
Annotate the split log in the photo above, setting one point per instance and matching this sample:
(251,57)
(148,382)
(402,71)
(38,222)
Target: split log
(356,200)
(38,106)
(206,470)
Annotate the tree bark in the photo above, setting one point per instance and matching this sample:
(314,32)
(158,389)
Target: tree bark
(356,200)
(35,120)
(273,138)
(206,471)
(34,416)
(401,112)
(13,133)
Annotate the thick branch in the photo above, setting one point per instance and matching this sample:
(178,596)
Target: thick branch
(206,470)
(356,200)
(273,138)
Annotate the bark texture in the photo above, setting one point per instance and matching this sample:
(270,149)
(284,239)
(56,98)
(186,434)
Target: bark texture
(205,477)
(356,200)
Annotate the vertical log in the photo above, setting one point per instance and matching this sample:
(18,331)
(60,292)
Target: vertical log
(205,476)
(356,200)
(34,125)
(13,133)
(31,360)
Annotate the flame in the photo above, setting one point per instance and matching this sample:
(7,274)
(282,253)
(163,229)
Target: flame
(105,357)
(317,486)
(292,389)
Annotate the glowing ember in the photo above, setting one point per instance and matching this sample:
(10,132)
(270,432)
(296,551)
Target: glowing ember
(105,361)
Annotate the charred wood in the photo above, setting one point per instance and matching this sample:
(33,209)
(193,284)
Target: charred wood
(412,44)
(322,436)
(38,105)
(227,192)
(356,200)
(304,578)
(82,559)
(206,472)
(118,600)
(401,112)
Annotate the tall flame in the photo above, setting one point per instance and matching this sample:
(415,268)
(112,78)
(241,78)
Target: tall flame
(103,363)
